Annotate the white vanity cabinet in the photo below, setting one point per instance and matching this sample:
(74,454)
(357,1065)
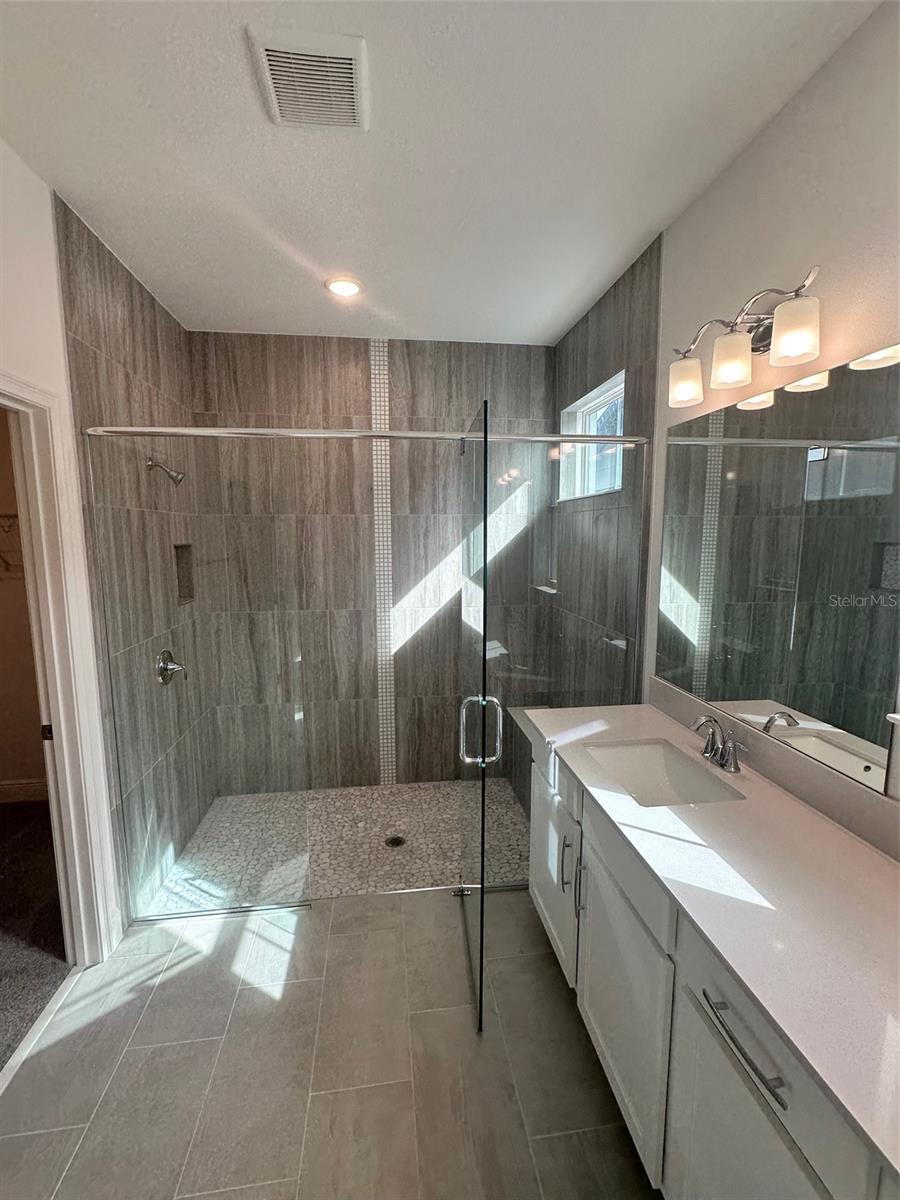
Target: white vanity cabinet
(624,990)
(721,1137)
(555,847)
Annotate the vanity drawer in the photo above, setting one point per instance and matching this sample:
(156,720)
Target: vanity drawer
(644,892)
(833,1149)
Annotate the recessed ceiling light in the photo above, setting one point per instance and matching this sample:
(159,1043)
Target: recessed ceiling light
(343,287)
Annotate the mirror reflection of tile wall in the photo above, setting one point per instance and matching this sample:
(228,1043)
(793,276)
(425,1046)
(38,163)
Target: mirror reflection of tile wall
(780,564)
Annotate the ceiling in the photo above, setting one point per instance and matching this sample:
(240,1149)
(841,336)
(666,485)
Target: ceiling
(520,156)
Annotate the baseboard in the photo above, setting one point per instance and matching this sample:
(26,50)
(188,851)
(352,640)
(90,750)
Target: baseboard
(12,791)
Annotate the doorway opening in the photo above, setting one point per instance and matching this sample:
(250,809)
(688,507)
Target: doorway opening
(32,945)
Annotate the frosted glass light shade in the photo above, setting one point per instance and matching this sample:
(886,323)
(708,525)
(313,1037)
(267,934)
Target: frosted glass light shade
(763,400)
(731,364)
(810,383)
(795,332)
(878,358)
(685,383)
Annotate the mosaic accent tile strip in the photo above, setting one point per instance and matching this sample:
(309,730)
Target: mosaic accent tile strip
(284,847)
(384,592)
(709,545)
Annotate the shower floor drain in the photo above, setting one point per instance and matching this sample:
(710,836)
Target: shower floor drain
(395,839)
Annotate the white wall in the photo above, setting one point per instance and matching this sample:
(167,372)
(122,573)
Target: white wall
(818,185)
(31,331)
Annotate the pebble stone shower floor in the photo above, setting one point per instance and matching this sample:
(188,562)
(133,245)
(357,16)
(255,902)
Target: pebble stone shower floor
(282,847)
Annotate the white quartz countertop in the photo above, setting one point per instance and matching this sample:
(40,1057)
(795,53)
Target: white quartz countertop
(804,913)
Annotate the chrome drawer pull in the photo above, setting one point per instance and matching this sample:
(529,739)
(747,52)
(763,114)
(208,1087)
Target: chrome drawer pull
(773,1084)
(566,845)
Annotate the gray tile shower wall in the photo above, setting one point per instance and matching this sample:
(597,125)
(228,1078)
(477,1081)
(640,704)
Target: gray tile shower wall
(601,540)
(129,365)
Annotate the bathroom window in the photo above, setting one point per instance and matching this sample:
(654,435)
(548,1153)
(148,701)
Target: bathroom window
(586,470)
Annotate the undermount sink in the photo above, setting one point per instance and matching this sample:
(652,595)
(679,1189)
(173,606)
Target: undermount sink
(845,758)
(654,772)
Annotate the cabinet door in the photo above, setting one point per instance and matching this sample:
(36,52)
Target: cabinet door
(555,846)
(625,997)
(721,1138)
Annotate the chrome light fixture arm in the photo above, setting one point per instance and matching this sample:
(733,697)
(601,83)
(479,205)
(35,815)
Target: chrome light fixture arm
(745,317)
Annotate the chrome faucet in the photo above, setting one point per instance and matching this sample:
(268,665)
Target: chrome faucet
(728,759)
(781,715)
(715,739)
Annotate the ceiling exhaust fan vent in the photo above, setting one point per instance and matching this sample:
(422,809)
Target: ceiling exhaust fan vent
(319,81)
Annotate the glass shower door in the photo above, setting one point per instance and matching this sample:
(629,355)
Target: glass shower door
(472,714)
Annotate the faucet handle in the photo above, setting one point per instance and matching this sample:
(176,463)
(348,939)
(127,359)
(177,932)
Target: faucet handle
(729,760)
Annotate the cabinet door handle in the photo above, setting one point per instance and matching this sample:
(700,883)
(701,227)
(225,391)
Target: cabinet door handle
(772,1084)
(566,845)
(580,905)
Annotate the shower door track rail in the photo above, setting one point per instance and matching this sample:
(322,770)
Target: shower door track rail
(884,447)
(367,435)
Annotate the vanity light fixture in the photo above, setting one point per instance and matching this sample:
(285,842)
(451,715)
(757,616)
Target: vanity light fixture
(732,364)
(810,383)
(877,359)
(685,383)
(795,332)
(763,400)
(789,333)
(344,287)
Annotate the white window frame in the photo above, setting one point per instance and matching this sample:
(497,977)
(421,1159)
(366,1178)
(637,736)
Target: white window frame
(576,460)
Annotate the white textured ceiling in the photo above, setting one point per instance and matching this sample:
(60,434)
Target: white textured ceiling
(519,156)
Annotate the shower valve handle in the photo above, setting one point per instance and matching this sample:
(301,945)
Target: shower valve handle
(167,668)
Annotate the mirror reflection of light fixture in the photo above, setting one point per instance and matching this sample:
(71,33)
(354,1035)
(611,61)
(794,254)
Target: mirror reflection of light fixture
(732,364)
(877,359)
(810,383)
(685,383)
(789,334)
(763,400)
(795,332)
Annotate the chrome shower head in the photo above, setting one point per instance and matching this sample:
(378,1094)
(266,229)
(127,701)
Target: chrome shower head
(175,476)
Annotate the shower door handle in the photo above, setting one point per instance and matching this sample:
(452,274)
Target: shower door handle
(463,712)
(498,731)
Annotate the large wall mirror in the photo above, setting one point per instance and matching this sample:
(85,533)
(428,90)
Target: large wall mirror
(780,588)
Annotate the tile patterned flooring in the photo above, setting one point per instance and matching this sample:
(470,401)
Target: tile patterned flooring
(284,847)
(326,1053)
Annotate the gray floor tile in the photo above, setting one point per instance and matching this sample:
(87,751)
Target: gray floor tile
(472,1144)
(196,990)
(31,1163)
(437,970)
(81,1045)
(363,1036)
(361,1143)
(152,937)
(137,1141)
(289,945)
(598,1164)
(281,1189)
(357,914)
(558,1075)
(251,1128)
(511,925)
